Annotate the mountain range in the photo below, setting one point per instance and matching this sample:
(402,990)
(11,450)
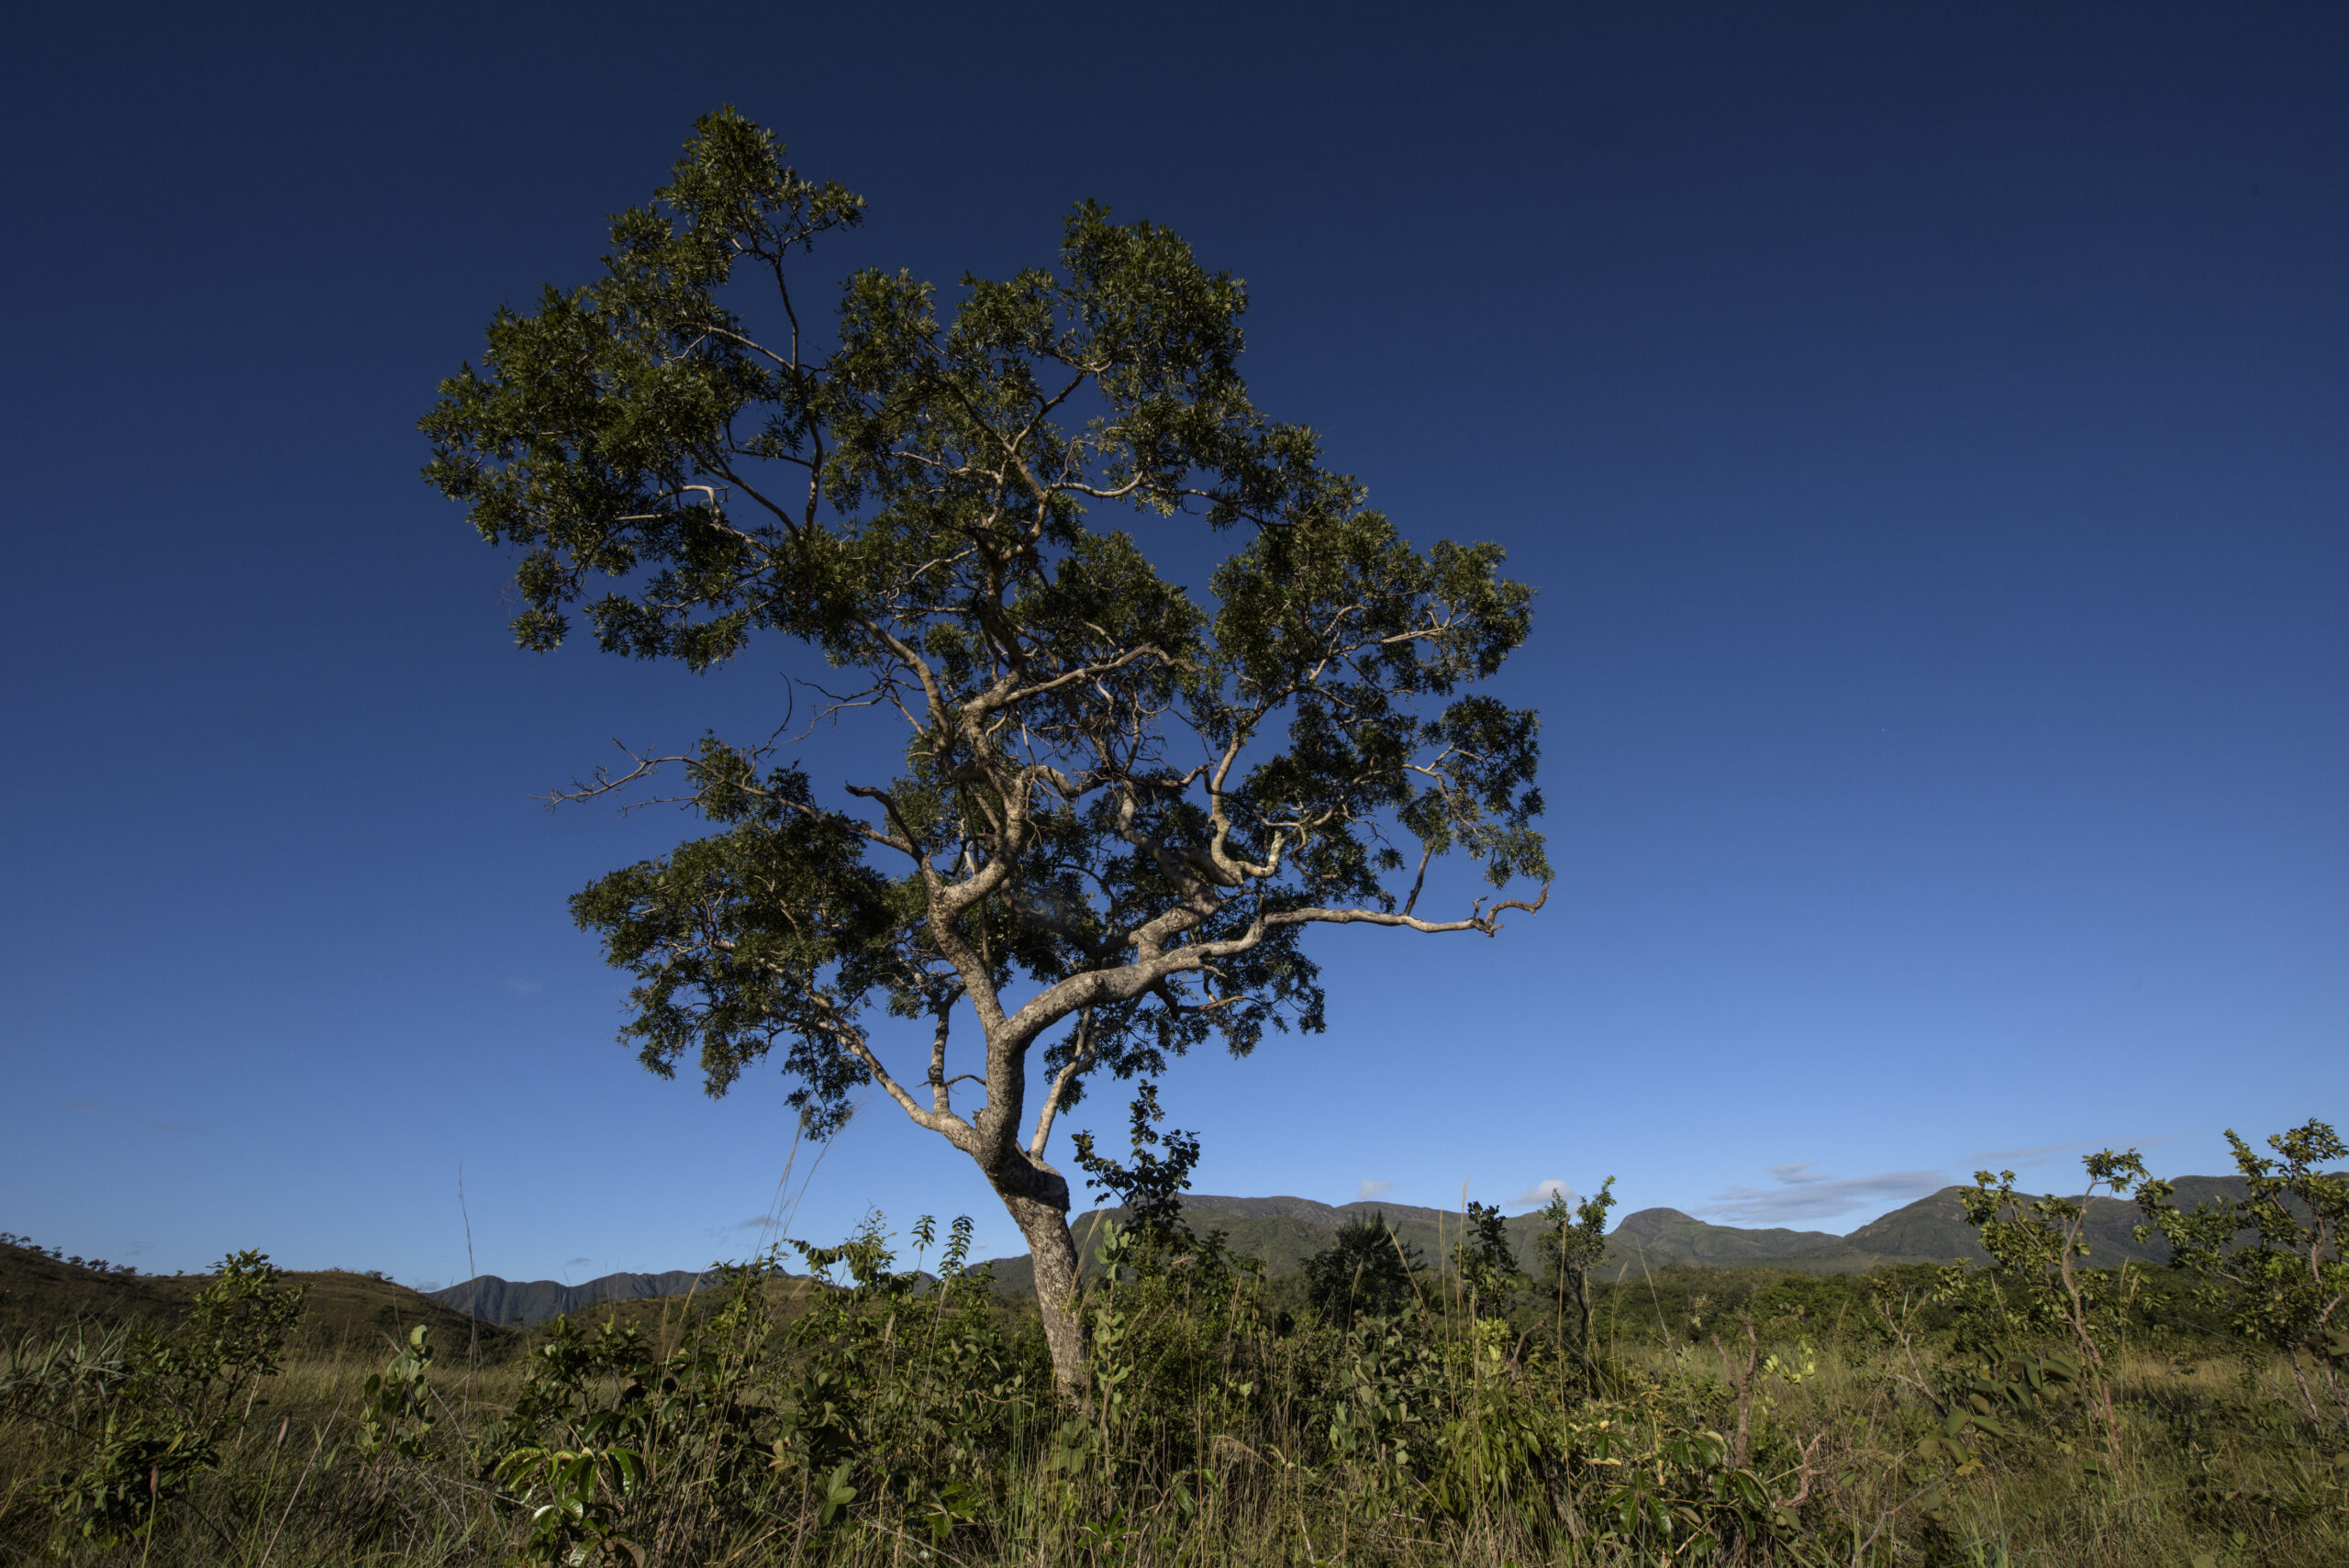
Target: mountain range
(526,1302)
(1285,1231)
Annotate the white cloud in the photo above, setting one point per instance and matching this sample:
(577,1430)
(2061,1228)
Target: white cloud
(1541,1193)
(1806,1193)
(523,987)
(1374,1189)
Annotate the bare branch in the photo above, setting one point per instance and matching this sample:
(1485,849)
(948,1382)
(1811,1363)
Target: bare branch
(1080,1062)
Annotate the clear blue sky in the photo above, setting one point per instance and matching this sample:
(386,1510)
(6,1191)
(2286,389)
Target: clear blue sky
(1925,427)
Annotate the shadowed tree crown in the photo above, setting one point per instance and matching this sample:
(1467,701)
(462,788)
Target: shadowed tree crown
(1366,1269)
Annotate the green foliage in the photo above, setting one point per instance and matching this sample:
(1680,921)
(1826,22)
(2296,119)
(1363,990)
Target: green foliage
(1150,1190)
(2036,1284)
(884,1413)
(1570,1244)
(894,1390)
(2036,1287)
(398,1417)
(607,1433)
(2273,1258)
(151,1414)
(1483,1258)
(1574,1235)
(1366,1271)
(910,500)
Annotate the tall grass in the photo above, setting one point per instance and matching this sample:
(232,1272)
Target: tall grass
(885,1420)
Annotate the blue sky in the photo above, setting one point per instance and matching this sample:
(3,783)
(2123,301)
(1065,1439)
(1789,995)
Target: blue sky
(1924,425)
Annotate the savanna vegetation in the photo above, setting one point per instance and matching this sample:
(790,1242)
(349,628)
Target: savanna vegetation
(888,1407)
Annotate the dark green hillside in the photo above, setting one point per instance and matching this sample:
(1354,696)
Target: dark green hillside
(1282,1231)
(364,1313)
(662,1318)
(1285,1231)
(1666,1238)
(1934,1230)
(529,1302)
(358,1311)
(39,1292)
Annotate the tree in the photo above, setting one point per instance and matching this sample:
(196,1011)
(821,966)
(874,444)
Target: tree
(1120,809)
(1486,1260)
(2038,1289)
(1571,1242)
(1367,1269)
(2274,1256)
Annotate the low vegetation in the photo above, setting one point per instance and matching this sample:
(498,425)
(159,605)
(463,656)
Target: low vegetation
(1378,1408)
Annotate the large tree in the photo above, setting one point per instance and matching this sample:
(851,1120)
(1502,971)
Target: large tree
(1121,804)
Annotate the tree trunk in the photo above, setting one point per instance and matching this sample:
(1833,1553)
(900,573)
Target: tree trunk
(1052,1252)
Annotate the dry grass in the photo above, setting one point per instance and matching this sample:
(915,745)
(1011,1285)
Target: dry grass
(2215,1470)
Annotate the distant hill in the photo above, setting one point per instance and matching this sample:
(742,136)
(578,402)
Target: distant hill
(359,1312)
(1659,1238)
(1285,1231)
(523,1303)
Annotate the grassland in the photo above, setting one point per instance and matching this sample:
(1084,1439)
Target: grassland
(1757,1417)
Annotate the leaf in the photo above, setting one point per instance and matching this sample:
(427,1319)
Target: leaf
(838,1492)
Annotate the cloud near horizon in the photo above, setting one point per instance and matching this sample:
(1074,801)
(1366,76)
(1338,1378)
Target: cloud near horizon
(1541,1193)
(1806,1193)
(1374,1189)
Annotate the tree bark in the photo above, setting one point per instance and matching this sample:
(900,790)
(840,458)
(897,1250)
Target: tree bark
(1051,1254)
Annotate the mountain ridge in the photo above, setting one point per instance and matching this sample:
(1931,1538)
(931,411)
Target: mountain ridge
(1285,1229)
(530,1302)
